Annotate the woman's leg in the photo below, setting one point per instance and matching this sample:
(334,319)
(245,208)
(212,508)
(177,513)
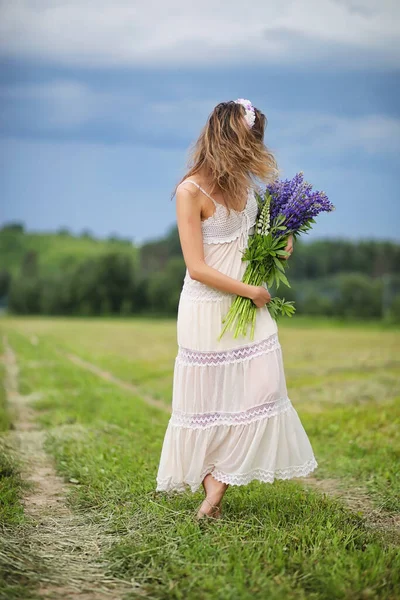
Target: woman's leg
(214,491)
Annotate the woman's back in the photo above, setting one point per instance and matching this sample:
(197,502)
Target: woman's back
(223,226)
(225,236)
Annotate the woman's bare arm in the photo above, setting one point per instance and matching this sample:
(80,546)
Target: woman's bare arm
(188,212)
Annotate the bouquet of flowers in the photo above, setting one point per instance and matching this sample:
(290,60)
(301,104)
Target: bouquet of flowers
(285,208)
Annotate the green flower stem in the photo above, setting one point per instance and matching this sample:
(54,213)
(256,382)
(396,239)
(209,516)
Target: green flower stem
(243,310)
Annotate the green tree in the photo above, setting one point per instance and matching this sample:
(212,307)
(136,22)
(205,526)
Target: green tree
(5,282)
(25,295)
(394,310)
(359,296)
(165,286)
(29,266)
(14,228)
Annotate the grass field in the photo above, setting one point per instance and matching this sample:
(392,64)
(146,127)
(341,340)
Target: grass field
(96,393)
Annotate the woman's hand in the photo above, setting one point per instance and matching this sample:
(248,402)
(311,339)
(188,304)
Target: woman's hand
(259,295)
(289,246)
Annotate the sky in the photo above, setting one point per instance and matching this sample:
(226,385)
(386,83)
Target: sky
(101,101)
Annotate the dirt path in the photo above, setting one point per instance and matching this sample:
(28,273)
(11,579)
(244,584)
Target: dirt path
(66,544)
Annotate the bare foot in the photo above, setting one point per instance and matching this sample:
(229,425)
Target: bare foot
(214,490)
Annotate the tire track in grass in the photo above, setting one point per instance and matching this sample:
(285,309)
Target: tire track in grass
(125,385)
(67,544)
(358,500)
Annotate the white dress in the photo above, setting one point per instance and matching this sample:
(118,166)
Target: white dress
(231,414)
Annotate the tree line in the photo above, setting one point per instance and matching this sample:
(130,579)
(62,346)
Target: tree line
(341,278)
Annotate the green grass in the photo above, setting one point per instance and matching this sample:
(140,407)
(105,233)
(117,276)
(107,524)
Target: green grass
(278,541)
(11,487)
(11,512)
(5,417)
(343,382)
(361,445)
(20,570)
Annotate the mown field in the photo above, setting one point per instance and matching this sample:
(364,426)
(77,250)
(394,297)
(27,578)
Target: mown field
(100,391)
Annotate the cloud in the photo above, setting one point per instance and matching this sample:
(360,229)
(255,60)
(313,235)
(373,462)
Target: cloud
(367,7)
(316,134)
(73,110)
(62,103)
(333,33)
(70,109)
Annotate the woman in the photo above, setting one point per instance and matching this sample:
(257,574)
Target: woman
(232,421)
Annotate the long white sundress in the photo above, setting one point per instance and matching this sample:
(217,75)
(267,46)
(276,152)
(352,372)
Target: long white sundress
(231,414)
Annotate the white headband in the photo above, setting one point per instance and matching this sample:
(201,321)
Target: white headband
(250,114)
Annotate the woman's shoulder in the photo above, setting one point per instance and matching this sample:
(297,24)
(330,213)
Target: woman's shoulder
(189,184)
(188,199)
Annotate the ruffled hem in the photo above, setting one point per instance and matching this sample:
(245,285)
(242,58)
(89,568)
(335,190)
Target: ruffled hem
(238,479)
(272,447)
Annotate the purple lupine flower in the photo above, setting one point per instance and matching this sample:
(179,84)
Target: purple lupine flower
(282,191)
(295,199)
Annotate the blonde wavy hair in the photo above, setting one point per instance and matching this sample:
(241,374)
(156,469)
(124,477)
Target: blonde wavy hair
(232,154)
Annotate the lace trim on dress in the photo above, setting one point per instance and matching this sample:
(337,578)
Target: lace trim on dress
(266,476)
(223,227)
(206,420)
(209,237)
(241,227)
(240,479)
(201,358)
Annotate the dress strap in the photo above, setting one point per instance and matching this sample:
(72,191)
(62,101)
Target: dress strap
(200,188)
